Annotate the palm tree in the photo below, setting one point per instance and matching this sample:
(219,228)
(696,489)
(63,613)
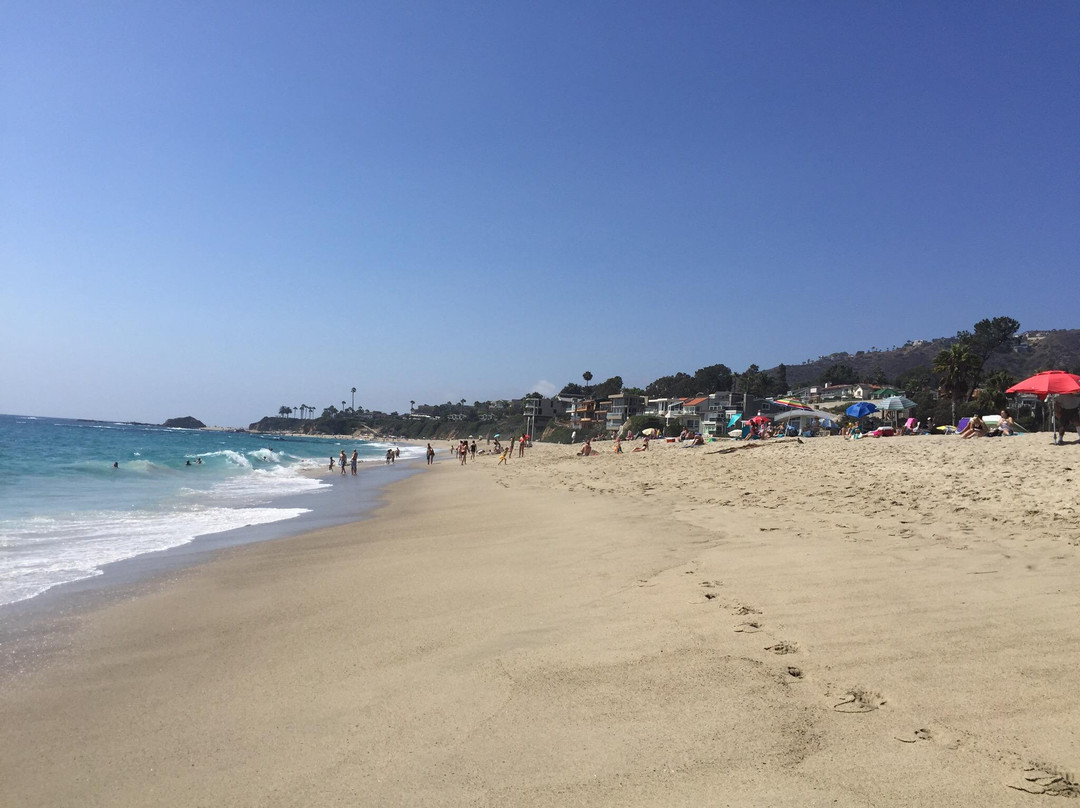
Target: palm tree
(283,410)
(992,392)
(412,406)
(955,365)
(342,405)
(354,398)
(587,376)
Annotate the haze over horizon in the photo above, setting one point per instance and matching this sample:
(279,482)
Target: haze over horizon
(216,211)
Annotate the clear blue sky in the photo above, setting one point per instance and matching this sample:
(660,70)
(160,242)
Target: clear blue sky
(216,209)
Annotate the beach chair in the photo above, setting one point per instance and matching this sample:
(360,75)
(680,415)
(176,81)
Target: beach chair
(745,432)
(960,427)
(911,426)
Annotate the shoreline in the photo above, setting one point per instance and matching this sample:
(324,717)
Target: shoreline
(30,628)
(831,622)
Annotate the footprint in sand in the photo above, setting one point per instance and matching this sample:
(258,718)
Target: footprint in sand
(859,700)
(783,647)
(1040,778)
(749,627)
(742,610)
(916,736)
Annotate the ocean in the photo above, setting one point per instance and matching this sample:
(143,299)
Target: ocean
(66,510)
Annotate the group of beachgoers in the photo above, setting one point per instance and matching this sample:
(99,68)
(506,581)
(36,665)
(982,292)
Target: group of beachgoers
(466,450)
(588,450)
(344,463)
(348,464)
(977,427)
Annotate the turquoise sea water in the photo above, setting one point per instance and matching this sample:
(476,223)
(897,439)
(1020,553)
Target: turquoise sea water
(65,510)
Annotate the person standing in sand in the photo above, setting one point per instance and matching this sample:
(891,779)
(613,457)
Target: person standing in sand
(521,446)
(341,462)
(1067,413)
(430,455)
(352,462)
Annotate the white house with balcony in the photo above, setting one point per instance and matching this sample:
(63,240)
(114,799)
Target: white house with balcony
(622,407)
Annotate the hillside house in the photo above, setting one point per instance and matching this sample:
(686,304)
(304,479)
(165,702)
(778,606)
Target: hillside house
(622,407)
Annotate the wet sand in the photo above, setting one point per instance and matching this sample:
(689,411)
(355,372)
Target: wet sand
(886,622)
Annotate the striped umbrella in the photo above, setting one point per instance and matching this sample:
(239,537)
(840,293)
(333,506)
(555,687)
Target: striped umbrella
(794,403)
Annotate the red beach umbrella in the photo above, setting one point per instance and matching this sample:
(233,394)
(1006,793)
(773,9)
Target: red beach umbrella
(760,419)
(1049,382)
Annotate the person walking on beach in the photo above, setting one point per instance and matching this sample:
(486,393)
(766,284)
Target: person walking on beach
(331,462)
(389,456)
(521,446)
(463,452)
(341,462)
(430,455)
(352,462)
(472,450)
(502,457)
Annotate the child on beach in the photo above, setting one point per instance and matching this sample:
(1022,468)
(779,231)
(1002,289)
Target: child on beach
(502,457)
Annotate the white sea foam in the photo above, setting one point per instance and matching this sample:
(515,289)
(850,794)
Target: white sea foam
(264,485)
(46,552)
(235,458)
(265,455)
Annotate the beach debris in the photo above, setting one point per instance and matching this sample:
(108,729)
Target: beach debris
(858,700)
(794,672)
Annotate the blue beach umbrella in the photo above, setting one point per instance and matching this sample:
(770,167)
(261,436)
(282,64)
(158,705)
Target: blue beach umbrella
(861,409)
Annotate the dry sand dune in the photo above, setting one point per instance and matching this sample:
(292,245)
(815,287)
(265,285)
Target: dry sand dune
(886,622)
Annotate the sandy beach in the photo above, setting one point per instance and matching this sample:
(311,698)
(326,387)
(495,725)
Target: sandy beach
(879,622)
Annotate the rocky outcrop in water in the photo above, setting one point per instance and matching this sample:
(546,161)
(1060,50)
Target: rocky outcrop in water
(186,422)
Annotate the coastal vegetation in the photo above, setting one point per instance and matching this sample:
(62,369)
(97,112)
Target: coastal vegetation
(948,378)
